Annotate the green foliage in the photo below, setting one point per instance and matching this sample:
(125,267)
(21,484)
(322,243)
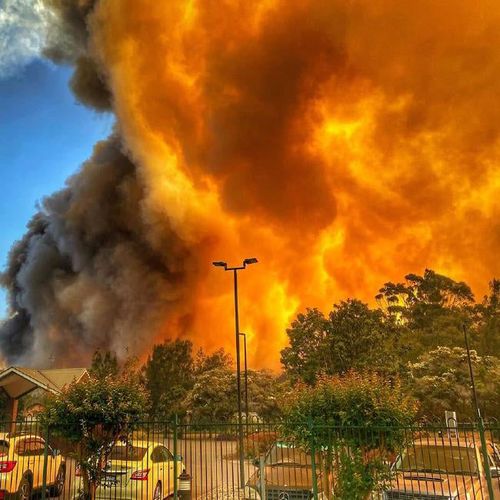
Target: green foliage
(414,320)
(204,387)
(355,421)
(365,402)
(361,339)
(206,362)
(353,337)
(212,397)
(168,376)
(266,390)
(307,355)
(431,309)
(432,290)
(441,381)
(104,365)
(487,322)
(357,477)
(4,407)
(93,415)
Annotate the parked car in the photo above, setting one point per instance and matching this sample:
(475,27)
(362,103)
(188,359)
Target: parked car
(137,469)
(287,475)
(22,458)
(441,470)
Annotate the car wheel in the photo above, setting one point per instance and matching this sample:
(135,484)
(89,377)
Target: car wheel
(24,490)
(157,492)
(57,489)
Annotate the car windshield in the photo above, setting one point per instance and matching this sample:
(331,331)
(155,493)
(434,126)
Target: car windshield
(127,453)
(439,459)
(288,456)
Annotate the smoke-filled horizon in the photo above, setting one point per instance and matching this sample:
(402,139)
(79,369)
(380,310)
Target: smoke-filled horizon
(343,143)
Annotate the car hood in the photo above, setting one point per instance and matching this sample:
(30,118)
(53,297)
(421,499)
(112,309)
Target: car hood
(433,484)
(284,477)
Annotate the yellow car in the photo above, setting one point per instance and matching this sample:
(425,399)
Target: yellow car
(138,470)
(22,466)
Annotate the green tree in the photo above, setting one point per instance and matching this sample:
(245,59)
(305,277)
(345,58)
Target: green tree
(430,290)
(487,322)
(212,397)
(93,415)
(441,381)
(168,376)
(356,421)
(265,393)
(104,365)
(362,339)
(353,337)
(431,309)
(206,362)
(307,355)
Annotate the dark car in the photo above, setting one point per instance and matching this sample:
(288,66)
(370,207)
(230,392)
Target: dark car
(451,470)
(286,473)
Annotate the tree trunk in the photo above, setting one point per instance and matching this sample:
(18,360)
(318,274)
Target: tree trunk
(89,487)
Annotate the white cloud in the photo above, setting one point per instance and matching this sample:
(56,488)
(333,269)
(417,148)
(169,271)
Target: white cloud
(23,30)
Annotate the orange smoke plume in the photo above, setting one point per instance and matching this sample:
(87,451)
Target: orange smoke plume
(342,142)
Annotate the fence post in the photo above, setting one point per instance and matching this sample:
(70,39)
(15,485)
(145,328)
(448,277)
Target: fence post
(176,421)
(313,459)
(262,477)
(486,461)
(45,461)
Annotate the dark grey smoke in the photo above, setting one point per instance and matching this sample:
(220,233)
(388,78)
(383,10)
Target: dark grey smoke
(85,276)
(68,36)
(89,273)
(67,43)
(88,83)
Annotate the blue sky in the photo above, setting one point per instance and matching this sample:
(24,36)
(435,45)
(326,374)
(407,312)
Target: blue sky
(44,136)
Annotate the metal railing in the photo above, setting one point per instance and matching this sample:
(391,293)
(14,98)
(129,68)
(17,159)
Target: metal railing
(282,461)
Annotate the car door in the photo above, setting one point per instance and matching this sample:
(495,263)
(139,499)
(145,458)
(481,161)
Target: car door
(162,462)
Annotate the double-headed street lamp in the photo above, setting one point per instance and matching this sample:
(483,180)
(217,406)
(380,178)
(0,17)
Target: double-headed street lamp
(235,270)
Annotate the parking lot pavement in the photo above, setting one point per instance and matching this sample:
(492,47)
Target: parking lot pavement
(222,493)
(214,467)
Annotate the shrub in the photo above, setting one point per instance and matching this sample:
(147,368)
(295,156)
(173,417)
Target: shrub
(355,421)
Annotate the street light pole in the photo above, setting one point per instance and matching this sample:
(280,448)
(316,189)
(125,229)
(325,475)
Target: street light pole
(246,372)
(480,421)
(235,270)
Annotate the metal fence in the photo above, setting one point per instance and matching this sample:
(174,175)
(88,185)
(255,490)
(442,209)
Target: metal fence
(279,462)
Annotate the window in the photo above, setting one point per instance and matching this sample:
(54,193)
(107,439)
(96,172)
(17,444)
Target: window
(127,453)
(161,454)
(30,447)
(440,459)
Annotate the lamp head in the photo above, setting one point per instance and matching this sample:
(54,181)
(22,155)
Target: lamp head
(252,260)
(219,263)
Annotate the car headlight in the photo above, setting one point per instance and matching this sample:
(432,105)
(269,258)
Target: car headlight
(250,493)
